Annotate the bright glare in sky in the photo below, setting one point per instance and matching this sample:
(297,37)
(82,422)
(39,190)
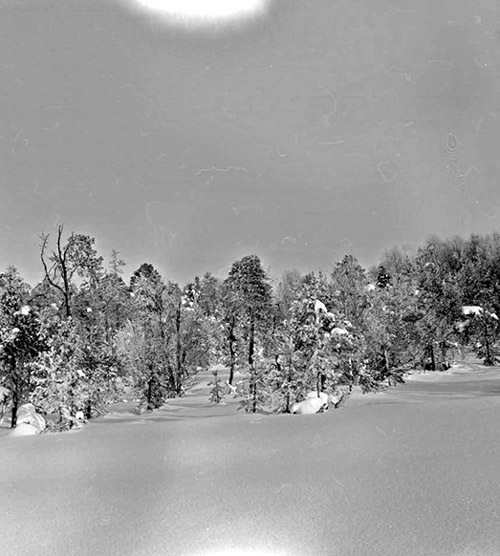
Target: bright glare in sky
(244,552)
(202,11)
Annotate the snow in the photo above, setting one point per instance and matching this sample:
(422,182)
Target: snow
(27,415)
(4,393)
(309,406)
(339,331)
(472,310)
(412,471)
(23,429)
(314,402)
(319,306)
(323,396)
(231,388)
(79,416)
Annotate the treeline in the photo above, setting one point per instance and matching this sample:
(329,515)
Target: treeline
(83,337)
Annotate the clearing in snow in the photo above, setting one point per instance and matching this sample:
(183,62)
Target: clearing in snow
(412,471)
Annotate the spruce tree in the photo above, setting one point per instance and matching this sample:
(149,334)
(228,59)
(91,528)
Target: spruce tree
(250,297)
(217,388)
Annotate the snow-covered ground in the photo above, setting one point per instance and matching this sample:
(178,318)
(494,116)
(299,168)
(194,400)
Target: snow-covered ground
(413,471)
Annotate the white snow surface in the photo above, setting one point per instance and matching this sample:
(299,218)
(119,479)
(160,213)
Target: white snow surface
(310,406)
(319,307)
(413,471)
(24,429)
(323,396)
(472,310)
(339,331)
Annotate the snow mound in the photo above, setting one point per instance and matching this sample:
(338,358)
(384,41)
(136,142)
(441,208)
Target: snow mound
(308,406)
(28,415)
(24,429)
(322,396)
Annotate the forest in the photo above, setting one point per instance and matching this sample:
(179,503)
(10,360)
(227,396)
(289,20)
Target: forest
(83,337)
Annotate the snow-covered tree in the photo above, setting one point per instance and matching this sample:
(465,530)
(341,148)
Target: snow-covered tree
(249,294)
(438,303)
(349,289)
(22,338)
(387,348)
(254,390)
(216,388)
(143,343)
(60,381)
(312,347)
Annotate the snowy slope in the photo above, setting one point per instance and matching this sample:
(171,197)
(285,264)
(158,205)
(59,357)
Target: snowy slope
(414,471)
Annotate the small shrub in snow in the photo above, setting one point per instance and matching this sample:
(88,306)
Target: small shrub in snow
(254,390)
(217,390)
(338,397)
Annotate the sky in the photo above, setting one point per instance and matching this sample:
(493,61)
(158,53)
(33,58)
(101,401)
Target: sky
(303,132)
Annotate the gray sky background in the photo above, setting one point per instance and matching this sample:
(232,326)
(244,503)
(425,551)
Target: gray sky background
(321,128)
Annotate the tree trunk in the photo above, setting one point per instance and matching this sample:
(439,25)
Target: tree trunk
(62,254)
(178,350)
(65,421)
(216,387)
(254,390)
(433,358)
(88,409)
(251,340)
(149,396)
(287,407)
(488,360)
(232,354)
(444,351)
(15,406)
(444,363)
(386,361)
(67,305)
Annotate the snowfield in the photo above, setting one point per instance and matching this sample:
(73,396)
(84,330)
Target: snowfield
(414,471)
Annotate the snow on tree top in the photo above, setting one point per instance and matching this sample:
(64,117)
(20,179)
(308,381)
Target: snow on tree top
(319,306)
(472,310)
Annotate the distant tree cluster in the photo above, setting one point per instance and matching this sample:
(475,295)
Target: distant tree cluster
(82,338)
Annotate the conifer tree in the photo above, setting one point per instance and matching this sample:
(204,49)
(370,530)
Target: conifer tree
(60,381)
(348,284)
(438,303)
(22,338)
(254,391)
(144,341)
(217,388)
(249,296)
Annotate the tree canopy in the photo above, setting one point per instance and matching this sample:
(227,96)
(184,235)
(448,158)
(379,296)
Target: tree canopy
(83,336)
